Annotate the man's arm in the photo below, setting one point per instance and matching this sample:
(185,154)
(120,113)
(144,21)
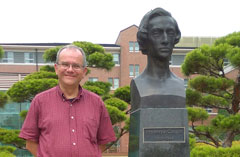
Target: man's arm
(32,147)
(102,147)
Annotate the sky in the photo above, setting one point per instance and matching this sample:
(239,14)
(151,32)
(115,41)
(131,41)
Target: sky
(100,21)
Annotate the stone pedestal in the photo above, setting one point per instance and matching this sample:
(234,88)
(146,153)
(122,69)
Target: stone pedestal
(159,132)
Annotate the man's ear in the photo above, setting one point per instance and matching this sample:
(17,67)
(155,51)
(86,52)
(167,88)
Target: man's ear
(85,71)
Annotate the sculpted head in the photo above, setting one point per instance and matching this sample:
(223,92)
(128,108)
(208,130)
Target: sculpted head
(158,33)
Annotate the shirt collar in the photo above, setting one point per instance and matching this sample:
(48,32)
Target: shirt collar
(61,94)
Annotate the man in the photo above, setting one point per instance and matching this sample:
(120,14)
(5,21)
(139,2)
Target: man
(67,120)
(158,33)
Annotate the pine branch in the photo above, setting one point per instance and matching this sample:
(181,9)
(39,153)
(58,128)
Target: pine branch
(200,141)
(123,132)
(206,134)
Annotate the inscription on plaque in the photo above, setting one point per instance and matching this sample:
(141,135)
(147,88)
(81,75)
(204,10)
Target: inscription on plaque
(164,135)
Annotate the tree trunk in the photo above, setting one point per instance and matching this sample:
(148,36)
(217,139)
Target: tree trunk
(229,139)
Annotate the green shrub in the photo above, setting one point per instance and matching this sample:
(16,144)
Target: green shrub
(115,114)
(48,68)
(94,89)
(123,93)
(120,104)
(209,151)
(23,114)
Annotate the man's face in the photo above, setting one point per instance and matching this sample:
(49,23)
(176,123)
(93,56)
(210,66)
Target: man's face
(69,68)
(161,36)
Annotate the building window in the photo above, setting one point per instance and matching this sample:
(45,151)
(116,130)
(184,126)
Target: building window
(8,57)
(177,60)
(28,57)
(114,82)
(116,58)
(136,70)
(133,46)
(225,62)
(92,79)
(209,110)
(133,70)
(136,46)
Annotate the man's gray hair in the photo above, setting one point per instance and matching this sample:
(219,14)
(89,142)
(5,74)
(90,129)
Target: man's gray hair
(72,47)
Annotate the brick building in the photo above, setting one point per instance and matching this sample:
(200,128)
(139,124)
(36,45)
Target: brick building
(22,59)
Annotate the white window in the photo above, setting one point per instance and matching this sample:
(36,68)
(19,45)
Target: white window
(28,57)
(116,58)
(114,82)
(92,79)
(131,70)
(8,57)
(136,47)
(225,62)
(209,110)
(131,45)
(136,70)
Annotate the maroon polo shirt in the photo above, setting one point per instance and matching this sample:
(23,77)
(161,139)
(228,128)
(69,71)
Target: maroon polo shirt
(68,129)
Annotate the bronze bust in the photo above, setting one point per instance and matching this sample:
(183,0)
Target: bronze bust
(157,85)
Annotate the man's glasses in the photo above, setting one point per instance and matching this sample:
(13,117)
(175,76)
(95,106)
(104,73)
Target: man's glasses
(66,65)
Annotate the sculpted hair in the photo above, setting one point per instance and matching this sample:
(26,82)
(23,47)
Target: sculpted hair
(72,47)
(142,33)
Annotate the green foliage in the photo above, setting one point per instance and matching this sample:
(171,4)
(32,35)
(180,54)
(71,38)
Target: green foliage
(25,90)
(203,60)
(209,151)
(94,89)
(196,114)
(207,129)
(234,56)
(88,47)
(102,85)
(41,75)
(11,137)
(127,124)
(231,39)
(192,97)
(1,52)
(101,60)
(48,68)
(115,114)
(212,100)
(3,99)
(23,114)
(106,96)
(95,55)
(6,154)
(120,104)
(7,149)
(50,55)
(209,84)
(192,141)
(231,122)
(123,93)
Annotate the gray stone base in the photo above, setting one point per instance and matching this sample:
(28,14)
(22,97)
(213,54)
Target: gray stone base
(159,132)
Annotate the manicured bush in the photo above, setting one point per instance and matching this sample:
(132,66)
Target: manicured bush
(204,150)
(120,104)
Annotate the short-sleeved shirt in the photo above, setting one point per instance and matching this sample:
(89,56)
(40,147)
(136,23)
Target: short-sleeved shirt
(68,128)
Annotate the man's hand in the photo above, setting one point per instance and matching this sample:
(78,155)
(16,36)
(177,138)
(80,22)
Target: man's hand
(102,147)
(32,147)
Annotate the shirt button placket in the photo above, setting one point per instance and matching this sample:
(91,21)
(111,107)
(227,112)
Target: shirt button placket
(72,128)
